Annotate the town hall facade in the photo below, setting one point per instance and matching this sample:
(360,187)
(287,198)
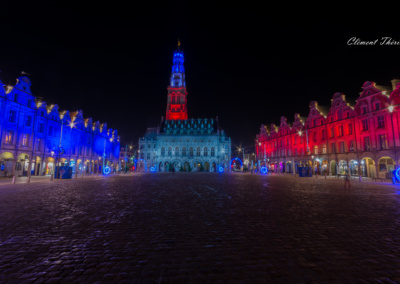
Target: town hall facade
(180,143)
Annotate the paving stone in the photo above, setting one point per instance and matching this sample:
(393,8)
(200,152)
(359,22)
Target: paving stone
(199,227)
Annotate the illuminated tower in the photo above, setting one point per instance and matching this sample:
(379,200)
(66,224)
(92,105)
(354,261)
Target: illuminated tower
(176,105)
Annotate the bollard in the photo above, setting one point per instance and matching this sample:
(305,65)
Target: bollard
(360,177)
(316,176)
(325,176)
(51,177)
(13,180)
(29,179)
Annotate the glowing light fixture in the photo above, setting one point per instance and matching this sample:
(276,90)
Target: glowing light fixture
(221,169)
(391,108)
(397,174)
(106,170)
(264,170)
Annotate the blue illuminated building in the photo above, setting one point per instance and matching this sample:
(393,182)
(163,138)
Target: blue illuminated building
(180,143)
(30,132)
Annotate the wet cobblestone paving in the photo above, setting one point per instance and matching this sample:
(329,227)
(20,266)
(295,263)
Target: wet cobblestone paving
(200,228)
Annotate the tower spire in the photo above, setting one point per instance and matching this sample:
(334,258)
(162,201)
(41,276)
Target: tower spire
(176,106)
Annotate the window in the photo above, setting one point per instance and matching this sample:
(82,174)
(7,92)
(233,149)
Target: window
(333,148)
(29,103)
(12,116)
(287,141)
(169,152)
(198,152)
(162,151)
(315,136)
(50,130)
(41,128)
(377,106)
(212,152)
(314,123)
(351,146)
(191,151)
(341,147)
(323,134)
(148,156)
(340,130)
(184,151)
(154,146)
(73,150)
(315,149)
(148,146)
(366,144)
(364,123)
(295,152)
(332,132)
(176,151)
(363,109)
(324,149)
(15,97)
(38,142)
(382,142)
(28,121)
(339,114)
(25,139)
(347,114)
(350,128)
(9,136)
(381,121)
(87,151)
(205,151)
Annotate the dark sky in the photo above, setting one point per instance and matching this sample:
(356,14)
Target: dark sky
(248,64)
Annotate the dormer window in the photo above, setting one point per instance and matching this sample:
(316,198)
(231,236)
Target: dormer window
(364,109)
(16,98)
(377,106)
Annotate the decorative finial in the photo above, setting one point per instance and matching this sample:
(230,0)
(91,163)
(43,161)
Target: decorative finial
(24,73)
(179,44)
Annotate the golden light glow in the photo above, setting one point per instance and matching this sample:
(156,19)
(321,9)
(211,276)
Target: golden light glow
(300,132)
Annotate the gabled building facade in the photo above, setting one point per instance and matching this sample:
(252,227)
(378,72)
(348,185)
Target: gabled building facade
(363,139)
(180,143)
(35,136)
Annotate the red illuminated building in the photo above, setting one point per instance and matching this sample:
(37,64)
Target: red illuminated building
(363,139)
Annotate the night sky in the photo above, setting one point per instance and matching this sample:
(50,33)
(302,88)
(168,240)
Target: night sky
(247,64)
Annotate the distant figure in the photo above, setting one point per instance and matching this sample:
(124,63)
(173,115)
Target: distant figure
(347,180)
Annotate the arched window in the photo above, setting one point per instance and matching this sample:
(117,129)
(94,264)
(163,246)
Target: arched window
(198,152)
(212,152)
(184,151)
(205,151)
(162,151)
(191,151)
(169,151)
(176,151)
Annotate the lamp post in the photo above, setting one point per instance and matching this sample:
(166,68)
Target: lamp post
(391,108)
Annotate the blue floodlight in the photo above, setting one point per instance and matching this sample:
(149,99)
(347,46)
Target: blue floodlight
(397,174)
(152,169)
(106,170)
(264,170)
(221,169)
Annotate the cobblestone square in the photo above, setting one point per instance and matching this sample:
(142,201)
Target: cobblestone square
(199,228)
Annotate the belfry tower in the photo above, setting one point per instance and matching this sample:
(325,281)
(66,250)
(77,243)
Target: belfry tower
(177,101)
